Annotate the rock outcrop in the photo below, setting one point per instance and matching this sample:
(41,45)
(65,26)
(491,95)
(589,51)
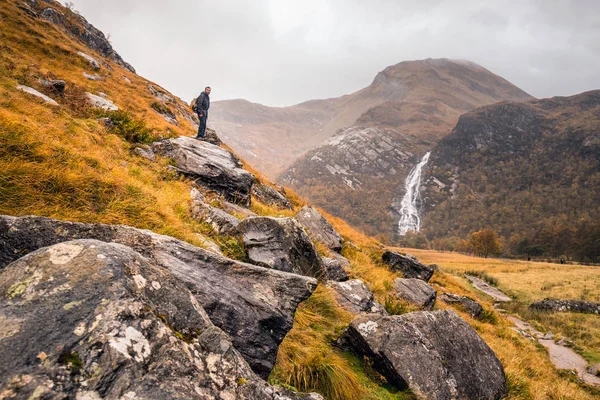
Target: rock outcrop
(254,305)
(221,221)
(75,24)
(356,297)
(334,270)
(209,165)
(469,305)
(267,195)
(557,305)
(90,320)
(415,291)
(408,265)
(282,244)
(435,354)
(319,229)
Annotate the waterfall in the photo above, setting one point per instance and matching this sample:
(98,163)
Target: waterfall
(409,215)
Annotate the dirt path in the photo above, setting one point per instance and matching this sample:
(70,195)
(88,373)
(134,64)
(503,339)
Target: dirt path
(561,356)
(483,286)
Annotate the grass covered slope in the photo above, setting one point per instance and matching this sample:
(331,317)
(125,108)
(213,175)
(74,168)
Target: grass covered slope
(63,162)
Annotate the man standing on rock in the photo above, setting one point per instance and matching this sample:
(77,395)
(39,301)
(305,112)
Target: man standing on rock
(202,106)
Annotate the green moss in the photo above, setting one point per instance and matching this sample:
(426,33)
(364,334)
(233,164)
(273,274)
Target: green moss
(71,359)
(72,304)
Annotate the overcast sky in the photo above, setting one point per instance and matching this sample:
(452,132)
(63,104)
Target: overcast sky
(280,52)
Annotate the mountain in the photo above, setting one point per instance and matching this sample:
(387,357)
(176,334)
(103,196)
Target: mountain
(358,173)
(530,170)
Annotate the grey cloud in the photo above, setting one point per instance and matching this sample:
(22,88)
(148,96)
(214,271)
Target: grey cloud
(280,52)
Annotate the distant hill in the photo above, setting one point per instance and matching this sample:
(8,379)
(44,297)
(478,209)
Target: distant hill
(529,170)
(358,173)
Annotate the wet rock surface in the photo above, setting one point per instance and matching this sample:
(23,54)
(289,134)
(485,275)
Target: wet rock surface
(334,270)
(93,320)
(209,165)
(408,265)
(319,229)
(356,297)
(415,291)
(254,305)
(469,305)
(267,195)
(282,244)
(435,354)
(556,305)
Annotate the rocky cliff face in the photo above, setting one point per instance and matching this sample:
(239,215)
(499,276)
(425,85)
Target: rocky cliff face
(516,167)
(364,165)
(75,24)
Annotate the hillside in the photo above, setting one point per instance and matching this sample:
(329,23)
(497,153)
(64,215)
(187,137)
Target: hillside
(530,170)
(358,173)
(129,266)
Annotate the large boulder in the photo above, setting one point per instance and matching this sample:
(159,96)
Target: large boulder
(319,229)
(557,305)
(282,244)
(267,195)
(210,166)
(469,305)
(408,265)
(87,319)
(334,270)
(435,354)
(415,291)
(356,297)
(254,305)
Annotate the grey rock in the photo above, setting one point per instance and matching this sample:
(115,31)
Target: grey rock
(91,60)
(254,305)
(408,265)
(220,221)
(267,195)
(56,84)
(34,92)
(355,296)
(435,354)
(470,305)
(211,136)
(415,291)
(234,209)
(52,15)
(161,95)
(282,244)
(334,269)
(341,259)
(146,152)
(595,369)
(319,229)
(101,102)
(94,77)
(90,320)
(107,122)
(209,165)
(27,8)
(556,305)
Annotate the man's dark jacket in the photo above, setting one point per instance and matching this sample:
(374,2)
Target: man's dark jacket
(203,104)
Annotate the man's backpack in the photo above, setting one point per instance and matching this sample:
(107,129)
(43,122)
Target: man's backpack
(194,105)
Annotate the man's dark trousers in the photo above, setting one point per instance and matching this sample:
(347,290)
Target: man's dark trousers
(202,127)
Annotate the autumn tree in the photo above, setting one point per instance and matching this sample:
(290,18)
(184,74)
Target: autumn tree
(485,242)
